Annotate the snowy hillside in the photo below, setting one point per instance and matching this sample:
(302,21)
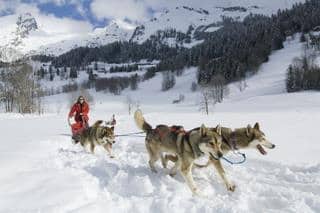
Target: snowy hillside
(176,15)
(43,172)
(180,15)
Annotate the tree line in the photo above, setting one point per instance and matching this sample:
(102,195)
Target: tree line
(124,68)
(304,73)
(237,49)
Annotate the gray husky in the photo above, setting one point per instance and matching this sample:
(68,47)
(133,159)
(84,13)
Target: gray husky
(187,146)
(98,135)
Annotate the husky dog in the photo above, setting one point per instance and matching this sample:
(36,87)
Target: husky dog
(241,138)
(98,135)
(186,146)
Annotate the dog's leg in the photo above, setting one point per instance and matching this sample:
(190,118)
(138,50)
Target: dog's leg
(108,148)
(152,161)
(219,168)
(186,171)
(164,161)
(153,157)
(168,157)
(176,166)
(92,147)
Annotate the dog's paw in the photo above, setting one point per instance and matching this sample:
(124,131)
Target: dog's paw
(231,187)
(172,174)
(197,193)
(112,156)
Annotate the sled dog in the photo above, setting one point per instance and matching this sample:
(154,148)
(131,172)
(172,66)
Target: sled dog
(98,135)
(241,138)
(187,146)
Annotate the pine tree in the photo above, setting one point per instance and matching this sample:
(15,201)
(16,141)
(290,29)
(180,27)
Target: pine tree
(73,73)
(290,80)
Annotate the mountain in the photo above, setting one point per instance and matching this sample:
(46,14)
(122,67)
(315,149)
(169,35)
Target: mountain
(176,23)
(100,36)
(11,48)
(25,24)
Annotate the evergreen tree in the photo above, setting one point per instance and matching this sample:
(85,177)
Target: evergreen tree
(73,73)
(168,80)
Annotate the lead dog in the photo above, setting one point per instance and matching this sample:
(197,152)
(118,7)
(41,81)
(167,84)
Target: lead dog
(186,146)
(241,138)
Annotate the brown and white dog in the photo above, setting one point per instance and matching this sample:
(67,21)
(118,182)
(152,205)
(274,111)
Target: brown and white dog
(241,138)
(186,147)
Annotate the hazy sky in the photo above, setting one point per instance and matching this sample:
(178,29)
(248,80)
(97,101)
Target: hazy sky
(89,13)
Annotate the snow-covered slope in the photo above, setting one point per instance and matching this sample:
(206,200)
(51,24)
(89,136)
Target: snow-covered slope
(177,15)
(41,171)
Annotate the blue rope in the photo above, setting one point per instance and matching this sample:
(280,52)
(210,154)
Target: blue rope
(244,158)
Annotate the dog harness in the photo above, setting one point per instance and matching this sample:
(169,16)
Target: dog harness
(173,129)
(233,141)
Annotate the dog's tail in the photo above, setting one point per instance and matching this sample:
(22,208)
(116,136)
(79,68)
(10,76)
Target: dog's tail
(97,123)
(140,121)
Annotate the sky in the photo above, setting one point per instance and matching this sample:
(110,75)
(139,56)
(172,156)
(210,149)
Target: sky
(86,13)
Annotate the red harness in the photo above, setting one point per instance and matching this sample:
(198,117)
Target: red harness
(173,129)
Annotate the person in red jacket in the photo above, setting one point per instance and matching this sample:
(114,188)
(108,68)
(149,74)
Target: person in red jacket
(79,111)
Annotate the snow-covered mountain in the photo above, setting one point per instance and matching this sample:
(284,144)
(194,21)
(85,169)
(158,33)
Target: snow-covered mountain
(188,16)
(100,36)
(25,25)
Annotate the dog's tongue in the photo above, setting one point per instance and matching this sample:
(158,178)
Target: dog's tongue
(261,149)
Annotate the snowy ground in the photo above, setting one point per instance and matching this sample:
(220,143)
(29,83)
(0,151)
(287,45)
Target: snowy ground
(43,172)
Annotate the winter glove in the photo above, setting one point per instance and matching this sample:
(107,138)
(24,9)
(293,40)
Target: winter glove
(69,121)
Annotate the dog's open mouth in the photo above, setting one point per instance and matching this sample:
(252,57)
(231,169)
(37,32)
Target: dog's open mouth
(261,149)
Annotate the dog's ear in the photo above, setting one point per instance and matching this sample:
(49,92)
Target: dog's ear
(218,129)
(112,128)
(103,132)
(257,126)
(248,130)
(203,130)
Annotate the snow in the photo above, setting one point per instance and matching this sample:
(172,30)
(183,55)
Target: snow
(43,172)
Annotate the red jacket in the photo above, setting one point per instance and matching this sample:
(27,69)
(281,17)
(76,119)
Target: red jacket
(78,108)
